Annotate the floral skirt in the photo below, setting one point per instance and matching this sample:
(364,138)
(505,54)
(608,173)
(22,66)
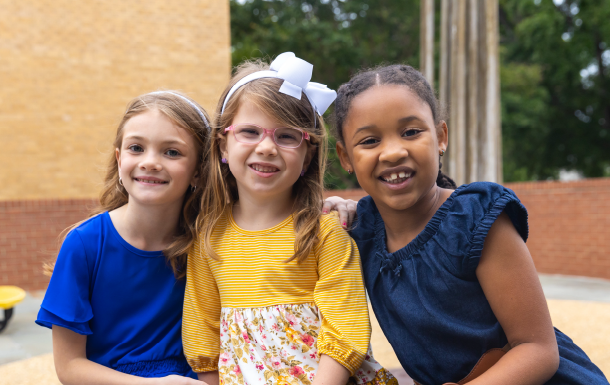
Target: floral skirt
(277,345)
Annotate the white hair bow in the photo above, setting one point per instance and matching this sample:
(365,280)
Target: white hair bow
(296,74)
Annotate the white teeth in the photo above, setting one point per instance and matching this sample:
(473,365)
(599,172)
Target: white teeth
(396,177)
(260,168)
(150,181)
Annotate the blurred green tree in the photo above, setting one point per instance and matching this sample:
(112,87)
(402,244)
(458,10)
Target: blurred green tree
(555,68)
(555,79)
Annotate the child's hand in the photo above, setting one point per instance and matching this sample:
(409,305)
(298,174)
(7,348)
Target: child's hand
(176,380)
(345,207)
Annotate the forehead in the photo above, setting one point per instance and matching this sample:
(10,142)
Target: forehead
(249,112)
(153,125)
(382,103)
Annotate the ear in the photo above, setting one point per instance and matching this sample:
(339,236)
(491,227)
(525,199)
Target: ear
(194,178)
(346,163)
(311,152)
(442,133)
(222,145)
(117,154)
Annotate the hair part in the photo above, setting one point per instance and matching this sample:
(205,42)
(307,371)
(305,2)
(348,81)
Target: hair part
(398,74)
(176,107)
(221,188)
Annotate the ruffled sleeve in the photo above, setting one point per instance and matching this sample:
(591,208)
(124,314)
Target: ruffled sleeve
(472,212)
(201,316)
(339,294)
(66,302)
(363,228)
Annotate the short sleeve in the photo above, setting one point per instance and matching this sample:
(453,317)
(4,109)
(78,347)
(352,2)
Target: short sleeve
(506,201)
(339,294)
(201,315)
(67,300)
(472,211)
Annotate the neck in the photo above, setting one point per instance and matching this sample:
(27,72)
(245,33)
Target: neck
(147,227)
(255,212)
(402,226)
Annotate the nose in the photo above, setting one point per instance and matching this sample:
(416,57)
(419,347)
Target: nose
(393,151)
(151,162)
(267,146)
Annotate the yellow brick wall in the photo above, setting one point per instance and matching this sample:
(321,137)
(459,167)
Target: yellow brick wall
(68,69)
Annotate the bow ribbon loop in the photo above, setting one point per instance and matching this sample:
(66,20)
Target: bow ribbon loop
(296,74)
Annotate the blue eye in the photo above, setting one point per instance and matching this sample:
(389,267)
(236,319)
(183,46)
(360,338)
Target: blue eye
(135,148)
(172,153)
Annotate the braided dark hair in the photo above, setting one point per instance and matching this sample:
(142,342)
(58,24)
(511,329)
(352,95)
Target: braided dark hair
(398,74)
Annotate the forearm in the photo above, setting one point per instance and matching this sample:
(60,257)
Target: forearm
(81,371)
(210,378)
(330,372)
(525,364)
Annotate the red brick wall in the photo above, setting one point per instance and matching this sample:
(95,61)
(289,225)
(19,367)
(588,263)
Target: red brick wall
(569,224)
(569,229)
(29,237)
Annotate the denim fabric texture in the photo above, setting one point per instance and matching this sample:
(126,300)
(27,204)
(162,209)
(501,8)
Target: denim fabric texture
(427,298)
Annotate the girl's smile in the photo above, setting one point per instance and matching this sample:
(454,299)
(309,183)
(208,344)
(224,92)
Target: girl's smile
(397,178)
(264,170)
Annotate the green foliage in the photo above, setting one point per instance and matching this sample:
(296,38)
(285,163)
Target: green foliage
(555,80)
(555,105)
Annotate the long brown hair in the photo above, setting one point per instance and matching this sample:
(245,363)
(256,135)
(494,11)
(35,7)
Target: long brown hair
(176,107)
(221,189)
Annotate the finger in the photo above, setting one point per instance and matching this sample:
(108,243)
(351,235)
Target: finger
(327,207)
(343,214)
(351,210)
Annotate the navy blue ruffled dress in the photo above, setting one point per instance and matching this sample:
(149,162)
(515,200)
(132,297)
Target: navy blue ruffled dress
(427,298)
(125,300)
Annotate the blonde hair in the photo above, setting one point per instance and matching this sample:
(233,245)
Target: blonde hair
(221,189)
(181,111)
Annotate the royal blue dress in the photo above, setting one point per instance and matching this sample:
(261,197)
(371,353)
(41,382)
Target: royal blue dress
(427,298)
(125,300)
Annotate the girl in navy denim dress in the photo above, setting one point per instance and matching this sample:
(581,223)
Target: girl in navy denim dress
(447,271)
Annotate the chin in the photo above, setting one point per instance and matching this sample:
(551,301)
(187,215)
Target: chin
(397,202)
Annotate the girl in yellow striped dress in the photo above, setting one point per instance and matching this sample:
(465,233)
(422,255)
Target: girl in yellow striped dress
(274,291)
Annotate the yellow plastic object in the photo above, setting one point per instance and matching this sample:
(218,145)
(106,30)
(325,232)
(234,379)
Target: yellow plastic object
(10,296)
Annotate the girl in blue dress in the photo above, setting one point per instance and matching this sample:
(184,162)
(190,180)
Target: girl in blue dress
(115,297)
(447,271)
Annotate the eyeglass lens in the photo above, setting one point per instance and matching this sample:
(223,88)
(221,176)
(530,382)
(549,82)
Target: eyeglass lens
(283,136)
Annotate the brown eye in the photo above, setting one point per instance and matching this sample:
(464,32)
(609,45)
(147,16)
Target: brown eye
(411,132)
(369,141)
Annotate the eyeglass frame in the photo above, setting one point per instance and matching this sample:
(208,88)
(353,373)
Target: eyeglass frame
(267,131)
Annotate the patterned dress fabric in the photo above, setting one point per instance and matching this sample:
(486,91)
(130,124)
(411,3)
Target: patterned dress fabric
(259,320)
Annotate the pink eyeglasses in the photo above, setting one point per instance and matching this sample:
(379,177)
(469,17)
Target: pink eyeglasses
(285,137)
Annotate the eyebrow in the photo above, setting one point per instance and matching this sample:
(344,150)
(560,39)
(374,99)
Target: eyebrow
(173,141)
(407,119)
